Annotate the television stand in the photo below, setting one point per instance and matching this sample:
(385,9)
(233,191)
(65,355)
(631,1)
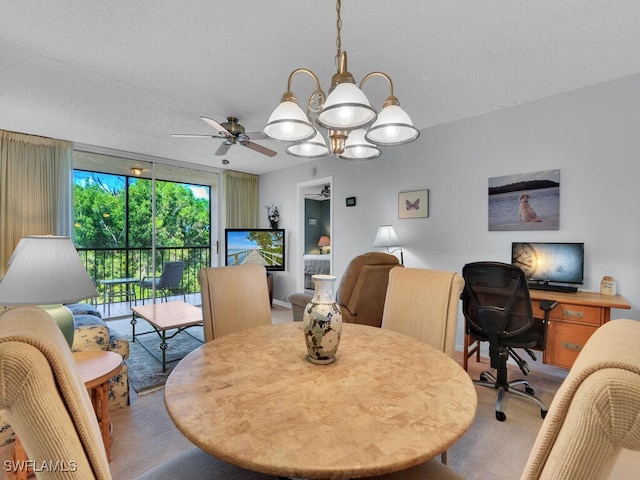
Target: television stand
(552,288)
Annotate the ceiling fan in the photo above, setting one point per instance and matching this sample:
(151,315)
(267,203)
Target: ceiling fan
(232,133)
(324,193)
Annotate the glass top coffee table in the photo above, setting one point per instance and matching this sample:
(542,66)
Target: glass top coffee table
(165,317)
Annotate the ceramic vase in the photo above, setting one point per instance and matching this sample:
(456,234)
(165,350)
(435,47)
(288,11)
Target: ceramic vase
(322,321)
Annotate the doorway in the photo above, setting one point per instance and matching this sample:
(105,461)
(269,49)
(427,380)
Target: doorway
(315,226)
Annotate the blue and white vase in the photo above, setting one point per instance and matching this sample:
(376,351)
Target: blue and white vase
(322,322)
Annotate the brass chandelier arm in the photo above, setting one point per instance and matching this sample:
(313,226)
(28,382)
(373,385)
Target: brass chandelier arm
(316,99)
(391,99)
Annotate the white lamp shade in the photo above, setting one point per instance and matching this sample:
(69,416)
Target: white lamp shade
(314,148)
(357,148)
(288,123)
(45,270)
(346,108)
(386,237)
(392,127)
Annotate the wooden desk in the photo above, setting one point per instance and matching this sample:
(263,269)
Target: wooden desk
(573,321)
(387,403)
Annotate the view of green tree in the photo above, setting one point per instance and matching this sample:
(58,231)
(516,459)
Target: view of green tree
(182,219)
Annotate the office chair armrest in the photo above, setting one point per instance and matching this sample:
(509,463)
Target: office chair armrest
(547,305)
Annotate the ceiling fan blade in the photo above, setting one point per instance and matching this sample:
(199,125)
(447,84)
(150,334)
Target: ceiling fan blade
(258,148)
(192,135)
(219,128)
(223,148)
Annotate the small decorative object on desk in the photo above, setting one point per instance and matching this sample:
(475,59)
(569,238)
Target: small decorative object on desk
(273,215)
(608,286)
(322,322)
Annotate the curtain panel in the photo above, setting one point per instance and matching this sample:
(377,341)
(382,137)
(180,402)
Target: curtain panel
(240,191)
(36,196)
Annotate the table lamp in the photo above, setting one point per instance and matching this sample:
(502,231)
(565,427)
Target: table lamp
(324,243)
(387,237)
(47,271)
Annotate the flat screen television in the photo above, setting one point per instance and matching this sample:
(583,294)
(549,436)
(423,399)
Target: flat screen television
(263,246)
(550,266)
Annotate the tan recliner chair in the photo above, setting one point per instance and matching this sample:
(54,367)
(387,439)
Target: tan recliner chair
(233,298)
(361,291)
(50,410)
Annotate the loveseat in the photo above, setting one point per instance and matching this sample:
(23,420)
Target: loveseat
(91,333)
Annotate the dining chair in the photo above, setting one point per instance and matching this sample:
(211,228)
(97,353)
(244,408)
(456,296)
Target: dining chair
(233,298)
(423,304)
(50,410)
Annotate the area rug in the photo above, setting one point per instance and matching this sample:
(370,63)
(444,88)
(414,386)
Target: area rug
(145,371)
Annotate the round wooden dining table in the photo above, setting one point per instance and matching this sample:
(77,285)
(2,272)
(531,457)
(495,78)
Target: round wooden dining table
(387,403)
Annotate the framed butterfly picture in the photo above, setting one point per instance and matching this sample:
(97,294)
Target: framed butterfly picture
(414,204)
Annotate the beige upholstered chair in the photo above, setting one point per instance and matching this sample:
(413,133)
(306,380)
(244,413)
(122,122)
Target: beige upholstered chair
(424,304)
(593,416)
(233,298)
(361,290)
(50,410)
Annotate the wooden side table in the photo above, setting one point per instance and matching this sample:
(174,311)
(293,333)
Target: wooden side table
(96,368)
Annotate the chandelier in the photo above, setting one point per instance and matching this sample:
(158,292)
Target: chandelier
(354,127)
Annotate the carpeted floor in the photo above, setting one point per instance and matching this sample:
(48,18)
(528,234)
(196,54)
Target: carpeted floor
(145,436)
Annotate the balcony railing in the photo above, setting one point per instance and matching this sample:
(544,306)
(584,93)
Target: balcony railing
(136,263)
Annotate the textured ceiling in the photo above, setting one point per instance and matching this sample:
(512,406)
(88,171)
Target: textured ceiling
(124,75)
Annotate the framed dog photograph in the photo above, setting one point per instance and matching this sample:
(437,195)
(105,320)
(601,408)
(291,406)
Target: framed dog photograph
(525,201)
(414,204)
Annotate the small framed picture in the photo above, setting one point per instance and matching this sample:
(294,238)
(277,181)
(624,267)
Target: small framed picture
(414,204)
(351,201)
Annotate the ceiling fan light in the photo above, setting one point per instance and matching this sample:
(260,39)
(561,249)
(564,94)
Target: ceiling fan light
(314,148)
(288,123)
(346,108)
(392,127)
(357,147)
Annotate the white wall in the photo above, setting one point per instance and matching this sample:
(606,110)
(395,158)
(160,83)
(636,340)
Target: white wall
(591,135)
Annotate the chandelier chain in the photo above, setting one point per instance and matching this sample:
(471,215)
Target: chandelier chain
(338,28)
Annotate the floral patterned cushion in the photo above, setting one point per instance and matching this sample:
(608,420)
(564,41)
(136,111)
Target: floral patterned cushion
(91,333)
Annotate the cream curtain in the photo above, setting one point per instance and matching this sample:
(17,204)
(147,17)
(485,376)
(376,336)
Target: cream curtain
(35,189)
(240,192)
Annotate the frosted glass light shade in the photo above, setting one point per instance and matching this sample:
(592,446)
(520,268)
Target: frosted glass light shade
(346,108)
(392,127)
(357,148)
(386,237)
(288,123)
(314,148)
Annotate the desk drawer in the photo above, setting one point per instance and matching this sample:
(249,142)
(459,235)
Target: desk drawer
(572,313)
(564,342)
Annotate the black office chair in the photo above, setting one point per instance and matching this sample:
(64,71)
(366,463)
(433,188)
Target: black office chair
(169,281)
(497,309)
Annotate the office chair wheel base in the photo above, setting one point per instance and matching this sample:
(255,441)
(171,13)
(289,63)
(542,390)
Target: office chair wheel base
(543,413)
(530,391)
(500,416)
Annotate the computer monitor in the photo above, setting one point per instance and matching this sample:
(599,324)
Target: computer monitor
(550,266)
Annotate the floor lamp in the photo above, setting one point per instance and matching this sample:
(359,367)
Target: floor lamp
(47,271)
